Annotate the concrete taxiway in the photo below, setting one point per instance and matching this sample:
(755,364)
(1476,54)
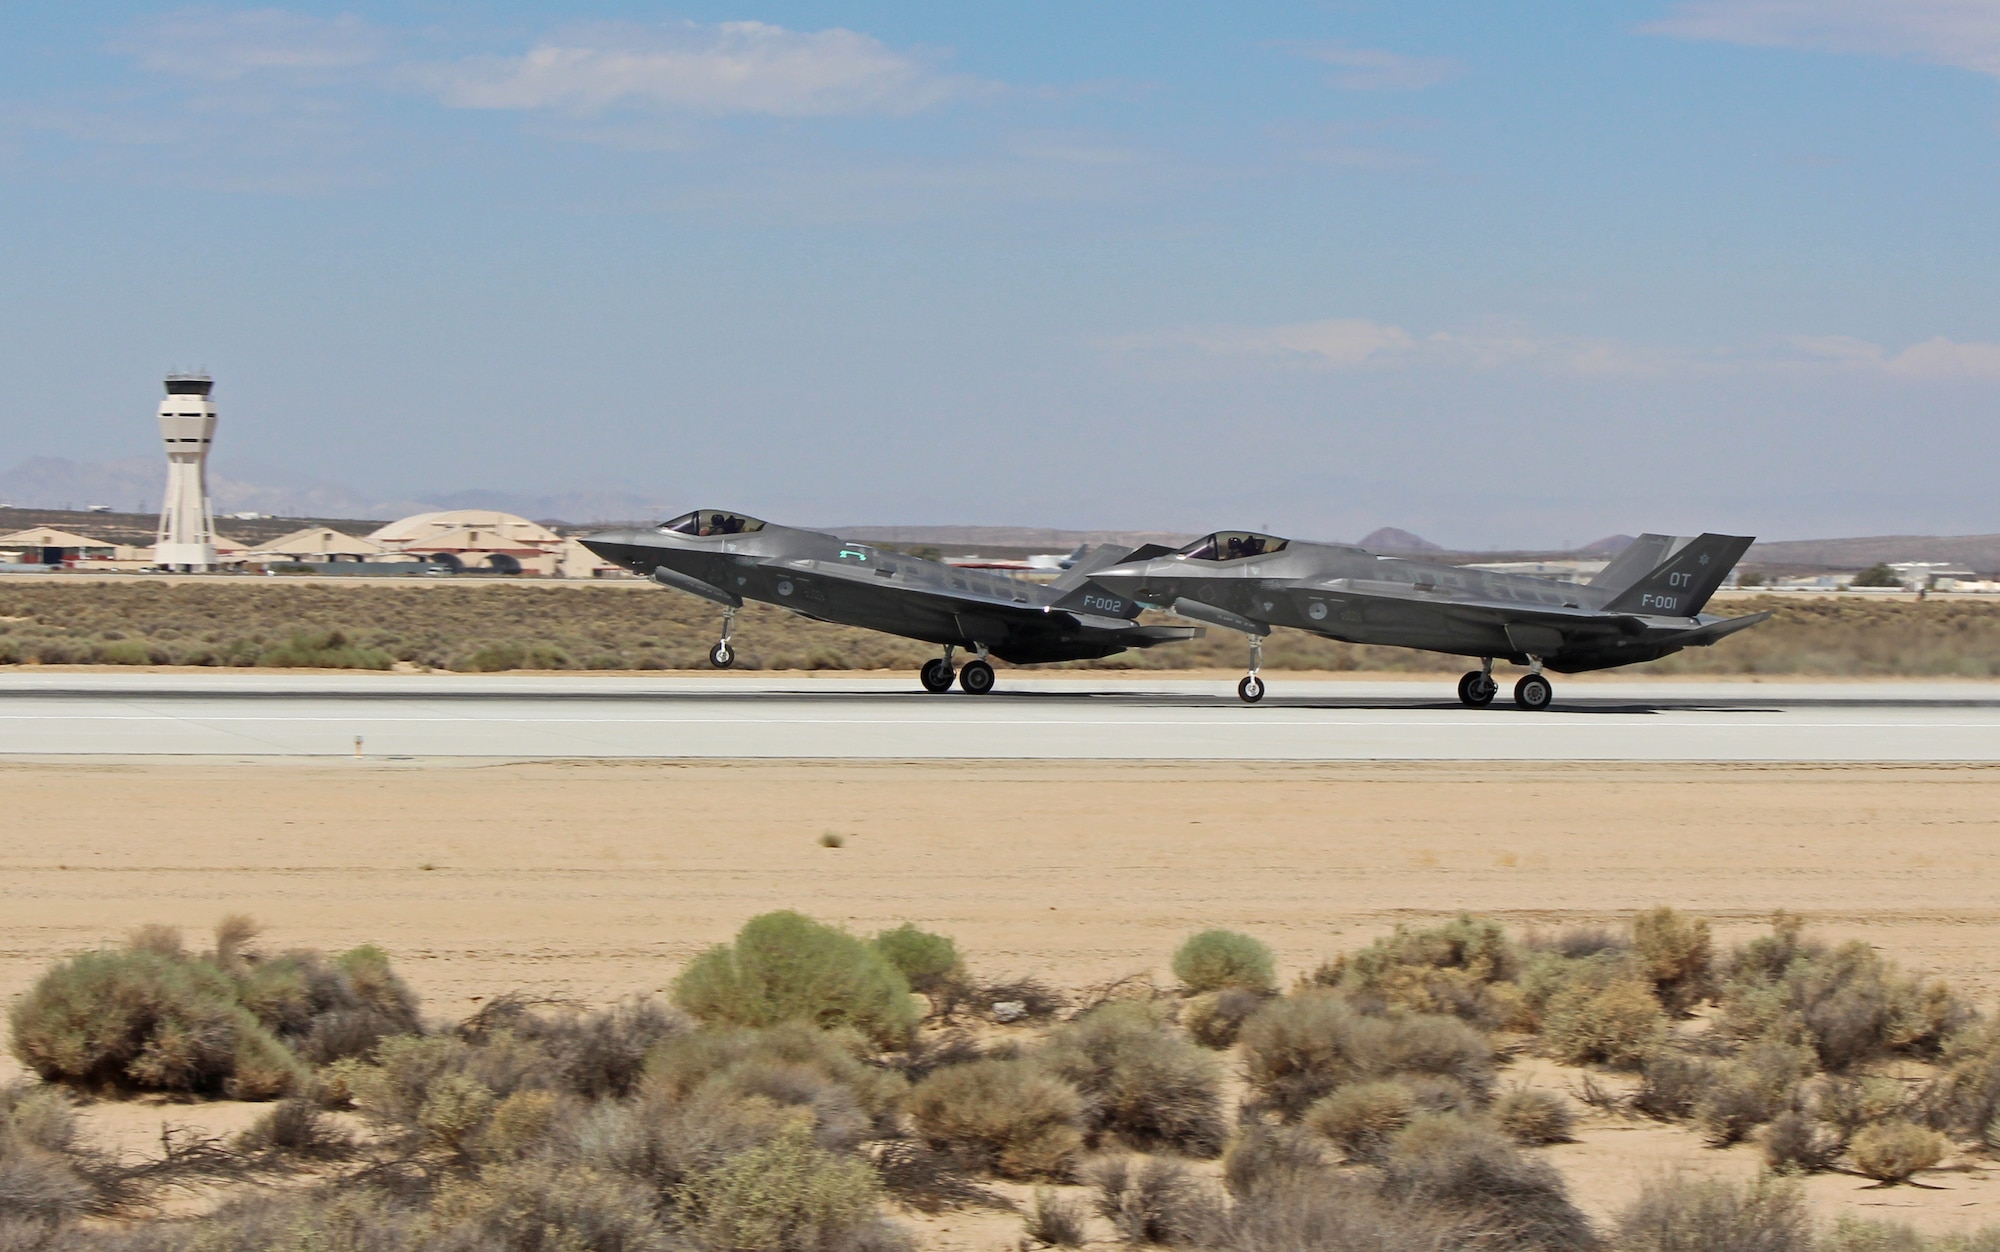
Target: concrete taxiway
(1082,716)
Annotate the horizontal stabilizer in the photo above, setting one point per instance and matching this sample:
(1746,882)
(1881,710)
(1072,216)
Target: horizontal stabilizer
(1681,584)
(1702,636)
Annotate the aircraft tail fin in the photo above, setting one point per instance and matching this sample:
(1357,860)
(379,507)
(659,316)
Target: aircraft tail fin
(1640,557)
(1088,560)
(1680,585)
(1077,591)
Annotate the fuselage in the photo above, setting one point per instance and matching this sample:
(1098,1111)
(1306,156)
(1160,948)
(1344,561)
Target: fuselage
(824,577)
(1357,596)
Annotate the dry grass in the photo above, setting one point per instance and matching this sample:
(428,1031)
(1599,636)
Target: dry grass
(499,626)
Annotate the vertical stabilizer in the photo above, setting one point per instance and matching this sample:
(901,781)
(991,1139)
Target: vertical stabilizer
(1680,585)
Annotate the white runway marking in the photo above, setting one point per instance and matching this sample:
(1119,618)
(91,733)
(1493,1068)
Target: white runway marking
(745,716)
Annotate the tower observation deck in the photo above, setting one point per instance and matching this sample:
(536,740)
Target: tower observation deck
(187,427)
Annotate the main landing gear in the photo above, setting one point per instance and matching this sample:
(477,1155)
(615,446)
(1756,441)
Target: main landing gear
(1477,688)
(1251,689)
(722,656)
(1532,694)
(976,679)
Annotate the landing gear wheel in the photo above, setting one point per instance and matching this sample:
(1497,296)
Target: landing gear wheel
(976,679)
(1476,690)
(721,656)
(1251,689)
(1533,693)
(936,675)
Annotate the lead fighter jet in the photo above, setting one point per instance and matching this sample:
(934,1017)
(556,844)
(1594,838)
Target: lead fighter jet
(1644,605)
(729,558)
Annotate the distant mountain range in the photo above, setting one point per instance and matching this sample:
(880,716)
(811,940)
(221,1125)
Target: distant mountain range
(136,483)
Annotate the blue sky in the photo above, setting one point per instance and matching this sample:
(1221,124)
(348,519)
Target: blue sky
(1499,274)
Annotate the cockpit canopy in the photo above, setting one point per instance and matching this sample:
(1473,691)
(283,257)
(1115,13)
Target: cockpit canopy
(1233,545)
(705,522)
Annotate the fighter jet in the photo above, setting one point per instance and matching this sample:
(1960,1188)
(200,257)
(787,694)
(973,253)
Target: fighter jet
(728,558)
(1645,604)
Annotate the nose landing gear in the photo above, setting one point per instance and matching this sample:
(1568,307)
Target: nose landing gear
(722,656)
(1251,689)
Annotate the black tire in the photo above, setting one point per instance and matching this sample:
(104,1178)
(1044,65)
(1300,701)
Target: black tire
(936,676)
(1533,693)
(1251,689)
(1476,690)
(721,656)
(976,679)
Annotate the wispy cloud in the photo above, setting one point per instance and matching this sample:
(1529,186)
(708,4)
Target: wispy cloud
(220,46)
(751,68)
(1359,344)
(1938,358)
(1962,33)
(1373,69)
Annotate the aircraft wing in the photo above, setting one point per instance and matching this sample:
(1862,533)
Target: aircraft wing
(962,602)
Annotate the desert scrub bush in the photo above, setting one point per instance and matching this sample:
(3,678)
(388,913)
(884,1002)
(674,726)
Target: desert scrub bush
(148,1021)
(1215,1018)
(1262,1157)
(926,961)
(1615,1021)
(1215,959)
(594,1054)
(324,1009)
(1362,1117)
(1446,1161)
(1301,1048)
(296,1128)
(1532,1117)
(1681,1214)
(1143,1085)
(1675,953)
(537,1206)
(1156,1201)
(1892,1151)
(1462,968)
(784,1196)
(1849,1003)
(1756,1086)
(322,649)
(791,1065)
(1796,1143)
(1671,1083)
(1011,1118)
(1054,1221)
(786,967)
(41,1183)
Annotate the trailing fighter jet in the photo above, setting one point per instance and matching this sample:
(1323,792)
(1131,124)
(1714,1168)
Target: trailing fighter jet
(1644,605)
(729,558)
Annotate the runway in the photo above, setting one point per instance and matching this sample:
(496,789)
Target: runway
(1082,716)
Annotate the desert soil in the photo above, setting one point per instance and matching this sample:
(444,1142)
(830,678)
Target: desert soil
(598,879)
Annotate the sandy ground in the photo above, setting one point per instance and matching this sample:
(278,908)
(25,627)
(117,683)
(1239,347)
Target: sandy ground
(598,879)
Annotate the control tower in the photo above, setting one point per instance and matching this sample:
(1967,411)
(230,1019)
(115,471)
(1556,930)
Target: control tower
(187,523)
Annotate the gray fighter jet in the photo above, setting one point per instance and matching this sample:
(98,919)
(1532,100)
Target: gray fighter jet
(1644,605)
(729,558)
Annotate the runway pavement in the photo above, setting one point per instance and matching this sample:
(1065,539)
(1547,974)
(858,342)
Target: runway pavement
(416,717)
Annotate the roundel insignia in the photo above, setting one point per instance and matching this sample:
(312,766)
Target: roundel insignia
(1318,611)
(784,586)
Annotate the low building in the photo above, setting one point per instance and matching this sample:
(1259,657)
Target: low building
(474,539)
(45,545)
(315,544)
(1555,571)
